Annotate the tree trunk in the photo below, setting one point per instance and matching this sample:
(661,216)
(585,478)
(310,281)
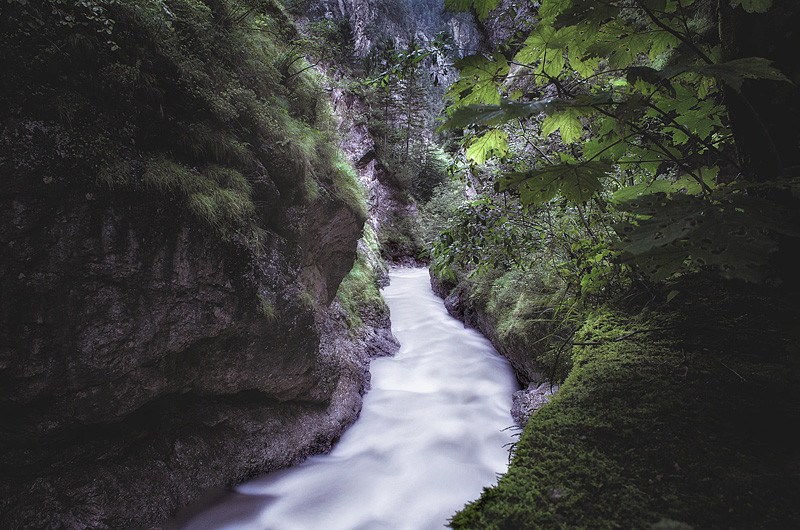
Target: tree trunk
(765,116)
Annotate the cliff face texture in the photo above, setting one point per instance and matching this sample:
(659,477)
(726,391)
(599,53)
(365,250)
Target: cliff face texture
(147,354)
(384,194)
(136,365)
(520,353)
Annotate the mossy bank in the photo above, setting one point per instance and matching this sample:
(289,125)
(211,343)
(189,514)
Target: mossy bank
(674,415)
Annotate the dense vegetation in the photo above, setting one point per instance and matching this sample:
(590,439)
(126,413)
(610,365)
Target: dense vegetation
(209,102)
(673,417)
(398,80)
(634,166)
(609,151)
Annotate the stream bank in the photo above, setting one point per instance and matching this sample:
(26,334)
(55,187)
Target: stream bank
(176,227)
(674,415)
(433,432)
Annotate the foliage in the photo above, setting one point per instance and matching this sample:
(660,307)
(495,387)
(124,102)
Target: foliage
(482,7)
(636,92)
(652,424)
(399,239)
(209,102)
(359,292)
(402,120)
(482,235)
(435,214)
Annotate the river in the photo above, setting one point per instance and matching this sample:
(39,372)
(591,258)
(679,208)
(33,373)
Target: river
(433,432)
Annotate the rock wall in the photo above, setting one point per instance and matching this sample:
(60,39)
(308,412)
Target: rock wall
(457,301)
(370,18)
(384,196)
(137,365)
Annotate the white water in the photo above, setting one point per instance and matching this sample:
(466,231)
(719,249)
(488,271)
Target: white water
(430,436)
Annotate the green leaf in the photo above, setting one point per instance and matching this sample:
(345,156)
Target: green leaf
(535,45)
(731,233)
(734,72)
(672,294)
(507,110)
(480,78)
(568,121)
(667,219)
(491,142)
(753,6)
(703,120)
(662,262)
(630,193)
(457,5)
(649,75)
(476,115)
(572,13)
(482,7)
(552,8)
(575,182)
(662,41)
(578,61)
(621,43)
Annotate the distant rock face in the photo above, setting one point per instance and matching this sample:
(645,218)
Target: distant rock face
(385,199)
(137,366)
(370,17)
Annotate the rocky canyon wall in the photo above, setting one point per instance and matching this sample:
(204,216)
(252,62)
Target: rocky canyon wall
(137,364)
(144,355)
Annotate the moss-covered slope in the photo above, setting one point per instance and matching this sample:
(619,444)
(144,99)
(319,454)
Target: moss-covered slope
(205,101)
(677,414)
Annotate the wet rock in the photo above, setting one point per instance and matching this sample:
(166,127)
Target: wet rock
(526,402)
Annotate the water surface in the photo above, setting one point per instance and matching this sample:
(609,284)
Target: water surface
(431,435)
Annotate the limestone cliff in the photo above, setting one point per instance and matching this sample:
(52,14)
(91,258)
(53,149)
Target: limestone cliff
(377,33)
(171,256)
(374,20)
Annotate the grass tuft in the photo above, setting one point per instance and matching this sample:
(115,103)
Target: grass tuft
(190,98)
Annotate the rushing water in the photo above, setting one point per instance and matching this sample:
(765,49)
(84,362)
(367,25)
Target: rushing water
(432,433)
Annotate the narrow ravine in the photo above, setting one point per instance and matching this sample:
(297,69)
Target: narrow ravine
(433,432)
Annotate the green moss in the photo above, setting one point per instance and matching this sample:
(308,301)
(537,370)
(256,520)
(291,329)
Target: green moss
(653,426)
(191,98)
(359,292)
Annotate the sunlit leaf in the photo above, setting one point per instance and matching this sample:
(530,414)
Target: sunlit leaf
(567,120)
(480,78)
(493,142)
(475,115)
